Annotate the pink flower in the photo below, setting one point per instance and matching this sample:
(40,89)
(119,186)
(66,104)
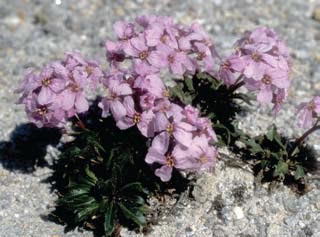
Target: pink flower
(44,115)
(194,34)
(73,98)
(159,153)
(204,57)
(90,70)
(139,50)
(51,80)
(147,101)
(144,121)
(204,155)
(191,113)
(73,59)
(199,156)
(29,83)
(278,99)
(255,62)
(118,90)
(308,111)
(177,61)
(146,21)
(162,32)
(228,69)
(124,30)
(203,125)
(271,79)
(150,83)
(261,48)
(263,61)
(170,122)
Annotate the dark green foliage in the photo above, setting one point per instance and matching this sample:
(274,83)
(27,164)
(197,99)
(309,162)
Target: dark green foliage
(216,101)
(273,161)
(103,180)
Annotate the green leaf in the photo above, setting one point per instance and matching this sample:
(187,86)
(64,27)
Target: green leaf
(78,191)
(134,215)
(281,169)
(86,212)
(138,200)
(177,91)
(253,146)
(187,99)
(270,133)
(73,151)
(189,83)
(136,187)
(264,163)
(116,175)
(273,135)
(227,131)
(90,174)
(109,218)
(299,173)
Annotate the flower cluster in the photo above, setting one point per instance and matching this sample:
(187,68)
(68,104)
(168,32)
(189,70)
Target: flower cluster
(58,91)
(183,141)
(158,43)
(308,111)
(262,60)
(137,94)
(141,57)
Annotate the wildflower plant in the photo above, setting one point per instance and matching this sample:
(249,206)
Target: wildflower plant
(170,103)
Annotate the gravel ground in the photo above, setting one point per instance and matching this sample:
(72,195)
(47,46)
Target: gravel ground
(228,203)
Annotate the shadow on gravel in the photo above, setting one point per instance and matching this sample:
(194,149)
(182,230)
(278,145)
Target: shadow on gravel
(26,148)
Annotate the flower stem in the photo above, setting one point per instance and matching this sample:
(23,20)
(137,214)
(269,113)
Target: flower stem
(299,140)
(236,86)
(80,123)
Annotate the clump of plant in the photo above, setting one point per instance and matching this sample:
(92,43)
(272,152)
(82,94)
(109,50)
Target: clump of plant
(279,158)
(170,100)
(102,179)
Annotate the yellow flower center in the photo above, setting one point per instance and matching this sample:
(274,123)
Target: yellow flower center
(170,161)
(266,80)
(75,88)
(226,64)
(170,128)
(163,38)
(89,70)
(311,106)
(136,118)
(42,110)
(201,56)
(46,82)
(256,57)
(203,159)
(143,55)
(166,93)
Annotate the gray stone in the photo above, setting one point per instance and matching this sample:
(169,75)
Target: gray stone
(316,13)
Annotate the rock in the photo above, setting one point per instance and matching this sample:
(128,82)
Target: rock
(316,13)
(238,212)
(291,204)
(274,230)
